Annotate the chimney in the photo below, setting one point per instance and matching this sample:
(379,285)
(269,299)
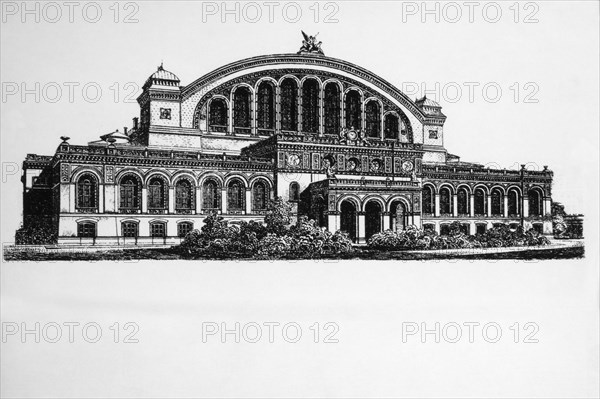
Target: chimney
(135,122)
(125,130)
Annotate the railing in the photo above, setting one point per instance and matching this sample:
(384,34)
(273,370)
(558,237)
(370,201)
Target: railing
(217,128)
(182,211)
(138,152)
(157,211)
(130,210)
(86,209)
(482,171)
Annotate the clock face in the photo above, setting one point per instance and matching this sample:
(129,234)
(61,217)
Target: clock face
(407,166)
(293,160)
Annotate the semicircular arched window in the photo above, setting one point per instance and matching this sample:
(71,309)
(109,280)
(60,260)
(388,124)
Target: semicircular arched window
(266,106)
(130,191)
(235,196)
(241,109)
(260,195)
(87,193)
(391,126)
(428,204)
(310,106)
(157,194)
(332,108)
(373,119)
(289,105)
(184,195)
(211,200)
(217,115)
(353,110)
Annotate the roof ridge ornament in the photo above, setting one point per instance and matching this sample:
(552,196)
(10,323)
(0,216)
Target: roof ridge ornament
(310,45)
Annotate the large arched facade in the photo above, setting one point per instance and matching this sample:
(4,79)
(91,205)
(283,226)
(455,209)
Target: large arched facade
(339,143)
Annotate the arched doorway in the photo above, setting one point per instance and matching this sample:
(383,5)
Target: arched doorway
(348,219)
(398,216)
(372,218)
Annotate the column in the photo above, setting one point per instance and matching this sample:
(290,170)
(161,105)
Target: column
(108,198)
(299,96)
(144,200)
(321,111)
(198,200)
(72,195)
(277,108)
(253,122)
(547,206)
(455,205)
(506,206)
(525,206)
(230,117)
(416,220)
(65,198)
(386,221)
(100,198)
(471,205)
(437,205)
(333,222)
(488,202)
(248,201)
(223,200)
(171,199)
(361,228)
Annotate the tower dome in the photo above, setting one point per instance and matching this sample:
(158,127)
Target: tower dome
(162,77)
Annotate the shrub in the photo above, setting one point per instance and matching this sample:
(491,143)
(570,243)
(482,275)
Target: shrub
(36,232)
(309,240)
(276,240)
(278,216)
(274,246)
(415,238)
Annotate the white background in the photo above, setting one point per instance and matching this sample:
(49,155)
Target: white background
(368,300)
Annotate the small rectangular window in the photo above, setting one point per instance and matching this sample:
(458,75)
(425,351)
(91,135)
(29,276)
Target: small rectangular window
(183,228)
(433,134)
(158,230)
(129,229)
(165,113)
(86,229)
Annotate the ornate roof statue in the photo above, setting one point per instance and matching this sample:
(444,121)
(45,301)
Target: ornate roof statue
(310,45)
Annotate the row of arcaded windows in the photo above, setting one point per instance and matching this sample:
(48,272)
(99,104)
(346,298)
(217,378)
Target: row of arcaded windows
(310,110)
(130,229)
(130,194)
(480,202)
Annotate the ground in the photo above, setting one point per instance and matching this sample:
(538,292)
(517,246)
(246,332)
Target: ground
(558,249)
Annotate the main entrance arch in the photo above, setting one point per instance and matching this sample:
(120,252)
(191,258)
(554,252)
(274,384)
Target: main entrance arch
(348,219)
(372,218)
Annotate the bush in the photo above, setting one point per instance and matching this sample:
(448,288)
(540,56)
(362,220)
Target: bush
(274,240)
(36,232)
(415,238)
(309,240)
